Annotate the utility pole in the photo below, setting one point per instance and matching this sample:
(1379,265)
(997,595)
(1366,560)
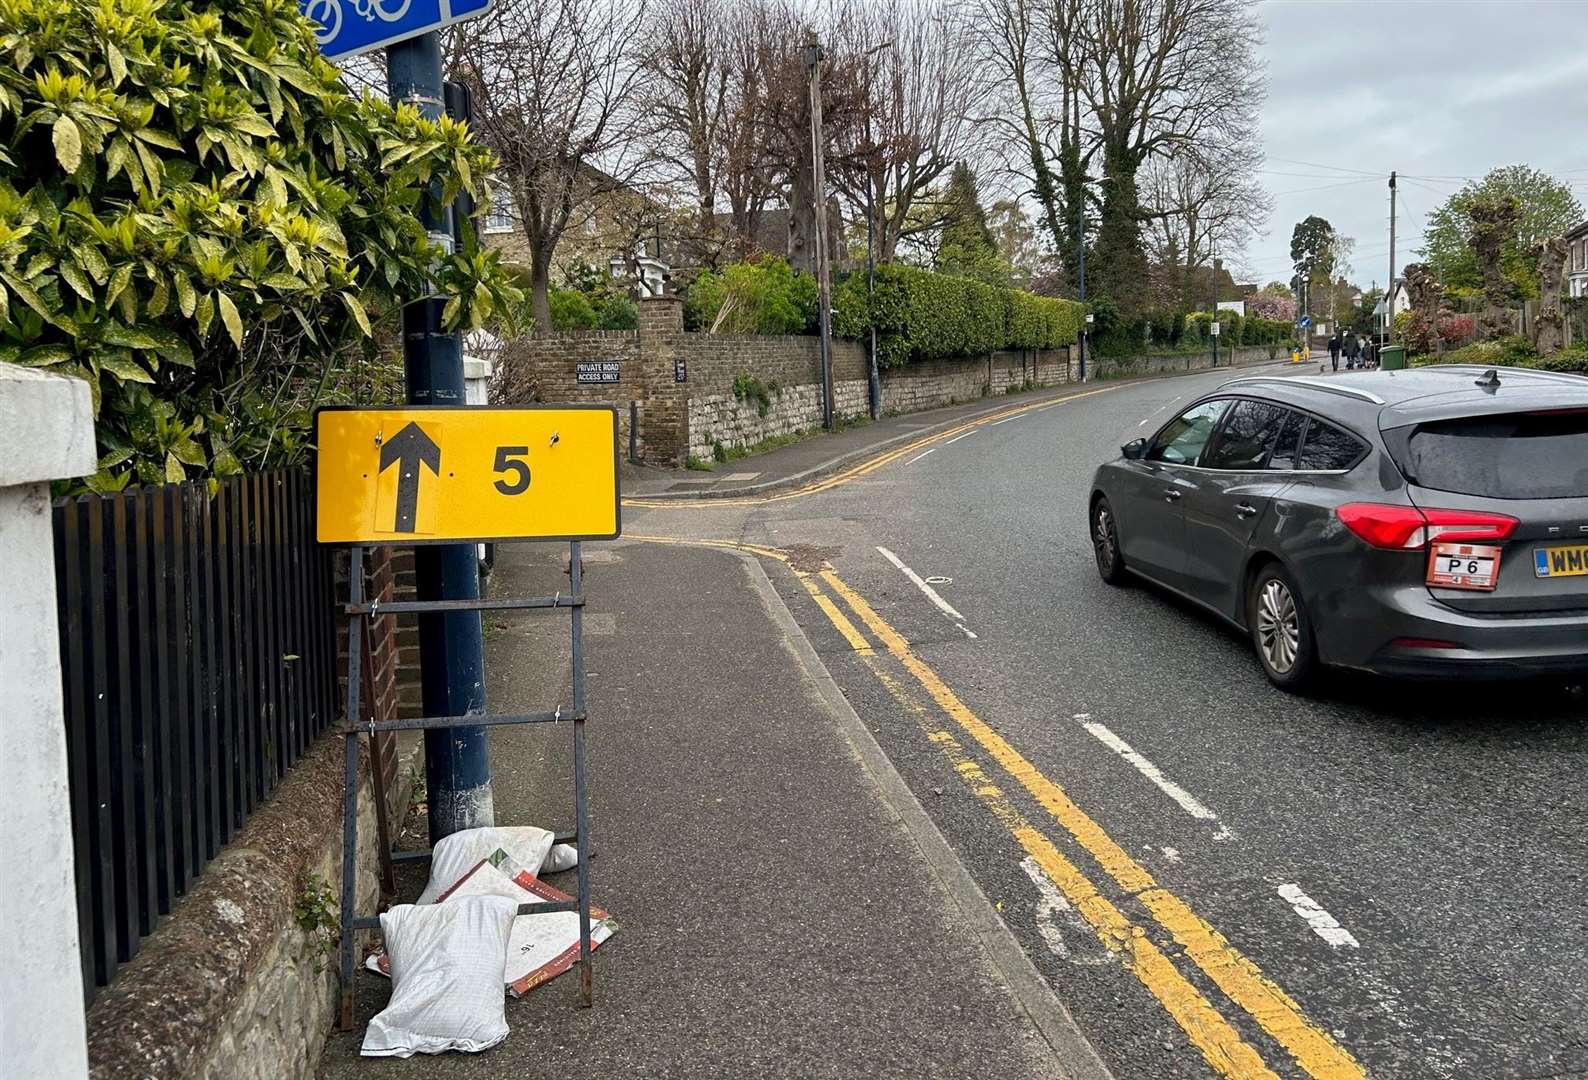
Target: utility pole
(1389,303)
(1080,244)
(452,648)
(813,60)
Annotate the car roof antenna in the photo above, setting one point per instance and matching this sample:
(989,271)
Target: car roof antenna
(1489,380)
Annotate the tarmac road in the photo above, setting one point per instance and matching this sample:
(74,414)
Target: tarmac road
(1218,879)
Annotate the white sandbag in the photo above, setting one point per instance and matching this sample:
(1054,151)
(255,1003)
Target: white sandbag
(560,857)
(457,854)
(448,964)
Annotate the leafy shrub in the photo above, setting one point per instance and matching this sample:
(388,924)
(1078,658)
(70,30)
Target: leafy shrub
(570,310)
(198,220)
(618,313)
(1512,351)
(1454,328)
(920,315)
(766,296)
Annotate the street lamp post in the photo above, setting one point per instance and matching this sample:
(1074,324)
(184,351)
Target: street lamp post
(874,380)
(1080,244)
(813,61)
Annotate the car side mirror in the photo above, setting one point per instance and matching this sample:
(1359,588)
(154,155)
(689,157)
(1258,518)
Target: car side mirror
(1135,449)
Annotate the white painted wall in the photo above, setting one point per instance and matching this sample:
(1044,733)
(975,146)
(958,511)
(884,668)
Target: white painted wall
(46,433)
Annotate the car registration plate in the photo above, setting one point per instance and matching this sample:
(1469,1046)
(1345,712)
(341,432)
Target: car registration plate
(1568,561)
(1464,566)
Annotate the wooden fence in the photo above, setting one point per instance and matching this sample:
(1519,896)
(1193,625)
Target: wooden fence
(198,659)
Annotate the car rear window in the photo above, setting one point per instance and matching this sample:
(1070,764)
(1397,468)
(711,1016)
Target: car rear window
(1537,455)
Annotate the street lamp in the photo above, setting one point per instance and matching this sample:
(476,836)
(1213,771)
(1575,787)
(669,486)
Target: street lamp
(874,378)
(813,61)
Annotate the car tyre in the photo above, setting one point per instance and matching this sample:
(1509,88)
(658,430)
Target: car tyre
(1105,543)
(1281,629)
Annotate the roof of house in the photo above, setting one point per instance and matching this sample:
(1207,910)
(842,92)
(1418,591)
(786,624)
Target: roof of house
(1578,231)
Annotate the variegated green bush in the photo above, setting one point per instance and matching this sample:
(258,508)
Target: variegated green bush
(199,218)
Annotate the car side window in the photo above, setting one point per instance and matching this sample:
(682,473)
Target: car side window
(1183,438)
(1326,447)
(1247,437)
(1287,448)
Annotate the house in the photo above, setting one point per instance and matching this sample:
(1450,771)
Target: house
(1577,261)
(1401,300)
(618,227)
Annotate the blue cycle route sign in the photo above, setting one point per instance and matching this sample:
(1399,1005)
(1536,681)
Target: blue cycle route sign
(1306,321)
(349,27)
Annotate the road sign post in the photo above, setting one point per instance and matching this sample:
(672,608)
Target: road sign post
(451,645)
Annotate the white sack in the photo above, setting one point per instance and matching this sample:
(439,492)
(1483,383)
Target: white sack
(448,964)
(457,854)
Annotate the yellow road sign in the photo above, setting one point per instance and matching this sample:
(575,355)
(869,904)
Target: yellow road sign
(426,475)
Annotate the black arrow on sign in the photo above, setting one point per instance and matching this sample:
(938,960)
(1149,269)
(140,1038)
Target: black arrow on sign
(409,448)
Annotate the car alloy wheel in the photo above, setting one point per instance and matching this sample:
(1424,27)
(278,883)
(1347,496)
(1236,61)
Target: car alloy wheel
(1278,626)
(1105,544)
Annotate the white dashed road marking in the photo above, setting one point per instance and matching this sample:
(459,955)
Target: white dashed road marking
(1186,801)
(1323,924)
(931,594)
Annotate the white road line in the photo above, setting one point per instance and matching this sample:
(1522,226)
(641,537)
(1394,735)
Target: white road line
(1323,924)
(957,438)
(1187,802)
(1005,420)
(931,594)
(918,457)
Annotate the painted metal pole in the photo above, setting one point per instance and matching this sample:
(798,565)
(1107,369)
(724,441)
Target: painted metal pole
(451,645)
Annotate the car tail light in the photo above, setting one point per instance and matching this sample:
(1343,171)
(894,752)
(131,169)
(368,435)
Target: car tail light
(1410,528)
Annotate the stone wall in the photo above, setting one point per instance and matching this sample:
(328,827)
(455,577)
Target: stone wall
(1168,363)
(681,385)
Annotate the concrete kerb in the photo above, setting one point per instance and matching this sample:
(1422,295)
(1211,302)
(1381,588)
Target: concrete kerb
(843,461)
(1074,1055)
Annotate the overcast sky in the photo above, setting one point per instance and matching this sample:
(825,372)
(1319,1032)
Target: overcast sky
(1436,89)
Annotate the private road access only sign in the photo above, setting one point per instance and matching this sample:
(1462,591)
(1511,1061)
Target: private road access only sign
(443,474)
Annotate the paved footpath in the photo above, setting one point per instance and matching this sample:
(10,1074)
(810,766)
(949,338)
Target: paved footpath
(786,907)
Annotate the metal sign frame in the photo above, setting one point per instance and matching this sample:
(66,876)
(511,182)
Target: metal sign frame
(359,611)
(405,540)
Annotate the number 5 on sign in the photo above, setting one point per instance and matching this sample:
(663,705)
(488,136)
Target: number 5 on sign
(428,475)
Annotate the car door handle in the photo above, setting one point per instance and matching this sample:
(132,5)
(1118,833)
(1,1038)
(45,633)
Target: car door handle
(1172,495)
(1245,510)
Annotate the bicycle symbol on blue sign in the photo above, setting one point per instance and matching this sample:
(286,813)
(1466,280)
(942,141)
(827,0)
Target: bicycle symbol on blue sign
(350,27)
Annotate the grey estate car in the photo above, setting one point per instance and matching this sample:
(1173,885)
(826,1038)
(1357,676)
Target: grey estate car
(1427,522)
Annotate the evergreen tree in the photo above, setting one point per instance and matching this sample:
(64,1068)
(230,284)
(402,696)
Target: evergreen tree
(967,246)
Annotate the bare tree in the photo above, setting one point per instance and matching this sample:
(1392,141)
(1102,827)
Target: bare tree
(916,87)
(690,77)
(1199,202)
(554,86)
(1159,77)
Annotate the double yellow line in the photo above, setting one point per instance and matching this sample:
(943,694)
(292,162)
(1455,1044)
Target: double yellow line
(1220,1043)
(854,472)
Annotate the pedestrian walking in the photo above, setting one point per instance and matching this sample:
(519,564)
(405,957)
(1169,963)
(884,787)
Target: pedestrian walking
(1353,350)
(1334,350)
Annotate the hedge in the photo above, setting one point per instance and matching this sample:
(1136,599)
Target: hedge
(766,296)
(920,315)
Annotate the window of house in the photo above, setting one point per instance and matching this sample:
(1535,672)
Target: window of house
(500,219)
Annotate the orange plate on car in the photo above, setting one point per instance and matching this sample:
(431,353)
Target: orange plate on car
(1464,566)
